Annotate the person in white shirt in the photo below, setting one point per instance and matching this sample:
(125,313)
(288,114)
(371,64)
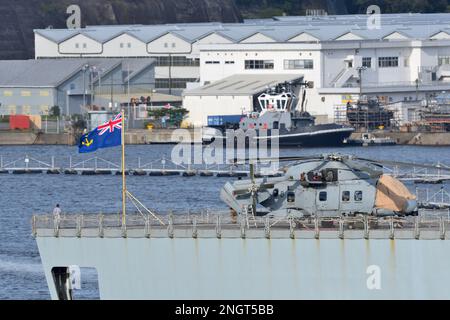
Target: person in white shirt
(57,213)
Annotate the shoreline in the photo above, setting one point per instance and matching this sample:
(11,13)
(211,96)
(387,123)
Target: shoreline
(164,136)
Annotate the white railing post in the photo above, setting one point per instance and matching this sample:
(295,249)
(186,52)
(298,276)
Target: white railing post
(267,228)
(170,227)
(316,227)
(194,228)
(100,226)
(243,227)
(218,228)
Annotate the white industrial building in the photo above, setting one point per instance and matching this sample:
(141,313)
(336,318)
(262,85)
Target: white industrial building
(233,95)
(405,57)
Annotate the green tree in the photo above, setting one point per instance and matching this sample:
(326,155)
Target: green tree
(55,111)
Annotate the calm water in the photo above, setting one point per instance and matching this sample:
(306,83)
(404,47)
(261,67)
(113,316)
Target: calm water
(21,273)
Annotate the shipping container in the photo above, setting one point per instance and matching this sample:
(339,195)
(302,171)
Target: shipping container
(223,120)
(19,122)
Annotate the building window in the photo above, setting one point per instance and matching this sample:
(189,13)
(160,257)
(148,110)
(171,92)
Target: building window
(387,62)
(212,62)
(84,45)
(166,45)
(121,44)
(299,64)
(173,44)
(129,45)
(177,61)
(358,195)
(176,83)
(322,196)
(258,64)
(367,62)
(77,45)
(443,60)
(229,62)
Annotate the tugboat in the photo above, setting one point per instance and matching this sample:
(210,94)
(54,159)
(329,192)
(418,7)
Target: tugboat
(278,118)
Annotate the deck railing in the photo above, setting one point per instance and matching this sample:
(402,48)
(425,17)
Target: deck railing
(220,223)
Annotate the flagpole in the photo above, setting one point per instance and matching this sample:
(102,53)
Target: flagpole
(124,186)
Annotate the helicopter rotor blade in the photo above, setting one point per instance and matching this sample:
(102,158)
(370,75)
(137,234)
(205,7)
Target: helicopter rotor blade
(405,164)
(286,158)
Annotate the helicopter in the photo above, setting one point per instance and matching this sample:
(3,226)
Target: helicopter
(329,185)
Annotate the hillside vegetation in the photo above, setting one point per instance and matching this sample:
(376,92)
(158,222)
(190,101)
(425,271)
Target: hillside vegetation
(268,8)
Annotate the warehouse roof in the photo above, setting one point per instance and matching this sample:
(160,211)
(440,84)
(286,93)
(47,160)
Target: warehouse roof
(242,84)
(280,29)
(53,72)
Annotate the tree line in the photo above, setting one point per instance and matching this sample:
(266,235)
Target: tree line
(264,8)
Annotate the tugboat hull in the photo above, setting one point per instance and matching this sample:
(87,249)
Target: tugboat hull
(325,135)
(316,139)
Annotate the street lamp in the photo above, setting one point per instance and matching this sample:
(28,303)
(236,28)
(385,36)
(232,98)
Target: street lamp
(92,70)
(84,68)
(360,69)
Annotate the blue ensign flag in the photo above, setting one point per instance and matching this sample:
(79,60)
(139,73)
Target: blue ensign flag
(106,135)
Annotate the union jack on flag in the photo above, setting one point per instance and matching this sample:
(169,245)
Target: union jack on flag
(110,125)
(106,135)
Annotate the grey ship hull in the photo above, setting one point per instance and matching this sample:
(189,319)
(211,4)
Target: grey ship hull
(175,265)
(255,268)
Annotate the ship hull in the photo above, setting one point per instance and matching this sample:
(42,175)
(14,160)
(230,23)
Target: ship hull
(314,136)
(325,138)
(236,268)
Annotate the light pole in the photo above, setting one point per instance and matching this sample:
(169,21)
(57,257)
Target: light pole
(85,67)
(91,76)
(360,69)
(417,89)
(67,104)
(100,71)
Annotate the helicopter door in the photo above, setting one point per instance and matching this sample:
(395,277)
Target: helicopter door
(327,199)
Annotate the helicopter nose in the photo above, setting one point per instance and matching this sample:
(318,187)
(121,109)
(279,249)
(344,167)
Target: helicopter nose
(410,206)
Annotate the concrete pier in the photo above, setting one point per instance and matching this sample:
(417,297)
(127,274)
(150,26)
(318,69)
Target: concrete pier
(412,138)
(35,138)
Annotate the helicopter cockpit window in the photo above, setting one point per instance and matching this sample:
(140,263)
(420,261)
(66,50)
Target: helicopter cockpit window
(291,196)
(345,196)
(322,196)
(358,195)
